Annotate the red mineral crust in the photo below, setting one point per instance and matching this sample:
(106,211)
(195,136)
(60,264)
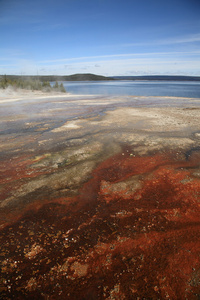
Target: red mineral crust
(17,168)
(132,232)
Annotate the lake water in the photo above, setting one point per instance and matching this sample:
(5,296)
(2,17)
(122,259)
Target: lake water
(135,88)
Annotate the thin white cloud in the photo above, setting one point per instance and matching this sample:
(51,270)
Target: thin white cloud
(179,40)
(192,38)
(137,65)
(117,64)
(63,60)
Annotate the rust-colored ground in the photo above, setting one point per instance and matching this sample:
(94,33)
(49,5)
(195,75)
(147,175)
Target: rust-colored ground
(99,197)
(132,232)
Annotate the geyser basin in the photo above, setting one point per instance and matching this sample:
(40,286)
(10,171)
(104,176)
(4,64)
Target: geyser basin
(100,199)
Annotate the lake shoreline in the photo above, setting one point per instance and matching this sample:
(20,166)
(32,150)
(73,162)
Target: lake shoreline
(12,95)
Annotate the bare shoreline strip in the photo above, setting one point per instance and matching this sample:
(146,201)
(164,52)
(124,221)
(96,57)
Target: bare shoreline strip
(10,95)
(32,96)
(67,96)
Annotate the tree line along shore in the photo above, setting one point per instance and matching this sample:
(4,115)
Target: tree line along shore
(94,77)
(29,83)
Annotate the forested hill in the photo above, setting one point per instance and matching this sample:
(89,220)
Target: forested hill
(93,77)
(74,77)
(86,77)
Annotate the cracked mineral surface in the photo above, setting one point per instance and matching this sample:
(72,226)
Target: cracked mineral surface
(99,197)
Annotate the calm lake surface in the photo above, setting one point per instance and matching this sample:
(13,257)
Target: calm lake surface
(135,88)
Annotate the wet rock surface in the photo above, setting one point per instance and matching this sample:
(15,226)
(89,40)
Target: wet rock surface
(100,198)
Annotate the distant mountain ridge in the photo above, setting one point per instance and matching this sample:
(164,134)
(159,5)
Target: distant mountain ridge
(94,77)
(159,77)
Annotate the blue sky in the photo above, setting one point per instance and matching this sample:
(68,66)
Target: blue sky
(106,37)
